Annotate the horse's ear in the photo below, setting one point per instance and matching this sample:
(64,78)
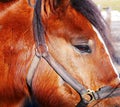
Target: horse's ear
(61,3)
(53,6)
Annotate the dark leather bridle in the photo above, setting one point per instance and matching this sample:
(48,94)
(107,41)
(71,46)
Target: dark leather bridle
(42,51)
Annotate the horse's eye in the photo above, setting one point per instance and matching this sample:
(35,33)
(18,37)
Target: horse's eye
(83,48)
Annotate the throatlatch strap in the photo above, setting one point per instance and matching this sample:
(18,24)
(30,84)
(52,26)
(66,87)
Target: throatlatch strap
(32,70)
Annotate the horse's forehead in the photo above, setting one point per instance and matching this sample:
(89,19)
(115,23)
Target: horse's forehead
(74,24)
(70,21)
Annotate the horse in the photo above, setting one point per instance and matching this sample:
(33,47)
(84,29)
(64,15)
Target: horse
(56,53)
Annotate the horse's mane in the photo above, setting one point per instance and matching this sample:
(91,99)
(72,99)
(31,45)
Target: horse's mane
(88,9)
(4,1)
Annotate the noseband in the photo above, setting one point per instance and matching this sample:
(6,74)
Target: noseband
(42,51)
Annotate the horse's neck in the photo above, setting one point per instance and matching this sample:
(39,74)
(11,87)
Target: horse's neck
(16,36)
(17,18)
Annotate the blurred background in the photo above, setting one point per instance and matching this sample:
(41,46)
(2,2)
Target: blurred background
(110,5)
(114,4)
(110,10)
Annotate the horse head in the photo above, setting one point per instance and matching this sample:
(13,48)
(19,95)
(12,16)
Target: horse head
(75,35)
(63,59)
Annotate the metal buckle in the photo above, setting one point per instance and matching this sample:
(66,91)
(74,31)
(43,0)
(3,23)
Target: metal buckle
(32,5)
(41,50)
(89,96)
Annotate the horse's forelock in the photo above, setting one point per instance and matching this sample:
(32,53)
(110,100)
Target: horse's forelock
(88,9)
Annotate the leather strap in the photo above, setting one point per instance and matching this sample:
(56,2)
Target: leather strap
(32,70)
(107,92)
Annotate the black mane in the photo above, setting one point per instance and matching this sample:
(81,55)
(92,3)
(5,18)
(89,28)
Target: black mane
(88,9)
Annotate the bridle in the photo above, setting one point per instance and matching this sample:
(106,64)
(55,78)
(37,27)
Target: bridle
(42,51)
